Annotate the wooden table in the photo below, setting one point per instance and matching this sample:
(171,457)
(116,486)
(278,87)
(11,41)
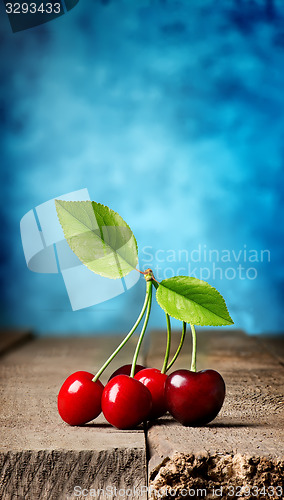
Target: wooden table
(41,457)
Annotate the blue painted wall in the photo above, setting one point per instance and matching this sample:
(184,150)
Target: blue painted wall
(171,113)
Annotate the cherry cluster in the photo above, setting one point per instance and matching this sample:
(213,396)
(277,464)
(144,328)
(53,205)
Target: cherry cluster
(135,394)
(99,237)
(192,398)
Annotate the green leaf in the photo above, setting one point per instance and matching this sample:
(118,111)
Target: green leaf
(193,301)
(99,237)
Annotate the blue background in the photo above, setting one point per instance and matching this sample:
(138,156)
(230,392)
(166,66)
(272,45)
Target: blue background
(171,113)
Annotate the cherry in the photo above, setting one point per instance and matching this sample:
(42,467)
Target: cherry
(195,398)
(125,370)
(126,402)
(155,381)
(79,399)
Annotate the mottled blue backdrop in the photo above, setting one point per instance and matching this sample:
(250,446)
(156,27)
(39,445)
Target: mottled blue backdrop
(171,113)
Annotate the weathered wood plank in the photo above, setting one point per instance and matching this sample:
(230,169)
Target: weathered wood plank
(10,339)
(62,474)
(244,445)
(232,348)
(41,456)
(273,344)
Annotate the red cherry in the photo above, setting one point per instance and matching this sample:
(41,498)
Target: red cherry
(155,381)
(79,399)
(195,398)
(125,370)
(126,402)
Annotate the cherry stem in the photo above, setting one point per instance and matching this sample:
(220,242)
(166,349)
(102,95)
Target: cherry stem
(138,346)
(105,365)
(193,356)
(169,334)
(141,272)
(183,332)
(155,283)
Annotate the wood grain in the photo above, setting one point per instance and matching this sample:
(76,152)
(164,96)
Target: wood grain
(56,474)
(41,456)
(10,339)
(248,430)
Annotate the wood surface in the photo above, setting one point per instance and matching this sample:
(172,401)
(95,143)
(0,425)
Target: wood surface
(9,339)
(41,457)
(244,445)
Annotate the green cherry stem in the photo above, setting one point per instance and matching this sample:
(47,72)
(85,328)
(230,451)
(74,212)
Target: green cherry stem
(193,356)
(183,332)
(138,346)
(105,365)
(169,334)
